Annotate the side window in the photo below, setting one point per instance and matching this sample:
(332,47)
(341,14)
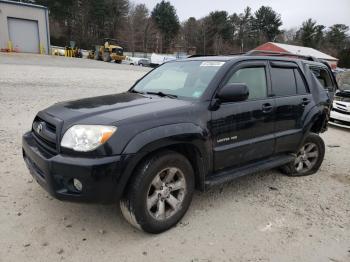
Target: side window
(254,78)
(323,77)
(301,87)
(283,81)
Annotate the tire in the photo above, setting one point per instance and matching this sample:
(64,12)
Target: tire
(106,57)
(117,61)
(140,64)
(308,158)
(145,199)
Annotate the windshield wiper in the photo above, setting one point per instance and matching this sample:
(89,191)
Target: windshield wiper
(135,91)
(161,94)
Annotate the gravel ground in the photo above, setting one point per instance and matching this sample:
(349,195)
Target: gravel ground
(264,217)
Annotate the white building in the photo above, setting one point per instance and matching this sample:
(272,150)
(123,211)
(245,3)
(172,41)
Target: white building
(24,27)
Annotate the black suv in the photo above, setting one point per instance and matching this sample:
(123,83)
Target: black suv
(187,124)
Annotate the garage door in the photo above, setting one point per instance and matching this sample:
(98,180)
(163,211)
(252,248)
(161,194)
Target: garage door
(24,35)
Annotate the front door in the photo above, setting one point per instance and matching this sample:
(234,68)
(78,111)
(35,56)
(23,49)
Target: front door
(243,131)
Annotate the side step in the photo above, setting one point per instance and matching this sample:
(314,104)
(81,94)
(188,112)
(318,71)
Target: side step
(262,165)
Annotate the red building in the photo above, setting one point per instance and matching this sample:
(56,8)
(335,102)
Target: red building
(299,51)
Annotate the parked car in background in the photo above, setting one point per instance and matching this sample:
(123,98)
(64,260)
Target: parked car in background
(137,61)
(340,114)
(144,62)
(129,61)
(158,59)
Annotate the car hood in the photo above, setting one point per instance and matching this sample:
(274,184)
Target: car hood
(111,109)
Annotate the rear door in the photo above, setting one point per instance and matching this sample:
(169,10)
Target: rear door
(293,101)
(243,131)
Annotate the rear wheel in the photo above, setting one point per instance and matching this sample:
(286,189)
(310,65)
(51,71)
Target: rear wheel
(308,159)
(160,193)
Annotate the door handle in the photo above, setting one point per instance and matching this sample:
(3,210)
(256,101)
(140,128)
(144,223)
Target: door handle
(266,108)
(305,101)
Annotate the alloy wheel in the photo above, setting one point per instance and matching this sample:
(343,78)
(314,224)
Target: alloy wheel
(306,158)
(166,193)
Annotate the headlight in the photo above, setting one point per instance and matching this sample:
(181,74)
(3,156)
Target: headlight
(85,138)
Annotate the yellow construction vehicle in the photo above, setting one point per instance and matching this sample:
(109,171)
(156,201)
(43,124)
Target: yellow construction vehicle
(109,51)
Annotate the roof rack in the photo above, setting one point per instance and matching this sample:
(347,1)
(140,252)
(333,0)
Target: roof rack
(271,53)
(239,53)
(199,55)
(275,53)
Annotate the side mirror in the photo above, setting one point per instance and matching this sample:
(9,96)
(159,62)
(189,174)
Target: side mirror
(233,92)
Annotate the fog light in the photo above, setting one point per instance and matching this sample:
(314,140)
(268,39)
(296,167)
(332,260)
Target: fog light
(77,184)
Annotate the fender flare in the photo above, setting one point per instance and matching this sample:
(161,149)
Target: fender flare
(149,140)
(315,113)
(160,137)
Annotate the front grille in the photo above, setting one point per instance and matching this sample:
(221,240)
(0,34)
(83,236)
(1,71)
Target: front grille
(340,111)
(45,134)
(51,127)
(341,98)
(341,105)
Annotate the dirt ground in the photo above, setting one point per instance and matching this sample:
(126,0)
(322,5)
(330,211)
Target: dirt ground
(263,217)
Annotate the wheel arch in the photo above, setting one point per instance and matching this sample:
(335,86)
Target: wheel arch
(315,122)
(186,140)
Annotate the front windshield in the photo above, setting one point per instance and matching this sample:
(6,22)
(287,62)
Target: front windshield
(181,78)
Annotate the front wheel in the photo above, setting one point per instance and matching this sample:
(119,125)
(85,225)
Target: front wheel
(308,159)
(160,193)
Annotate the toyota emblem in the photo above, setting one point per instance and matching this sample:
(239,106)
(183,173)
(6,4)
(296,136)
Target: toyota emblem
(39,127)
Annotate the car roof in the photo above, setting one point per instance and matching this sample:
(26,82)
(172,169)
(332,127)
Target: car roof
(251,57)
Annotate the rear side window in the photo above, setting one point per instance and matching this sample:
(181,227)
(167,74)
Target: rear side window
(254,78)
(283,81)
(301,87)
(323,77)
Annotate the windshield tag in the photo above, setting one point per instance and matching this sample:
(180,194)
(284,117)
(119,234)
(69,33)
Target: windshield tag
(212,63)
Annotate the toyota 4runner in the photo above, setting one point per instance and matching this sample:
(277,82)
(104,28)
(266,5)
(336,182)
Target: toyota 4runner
(187,124)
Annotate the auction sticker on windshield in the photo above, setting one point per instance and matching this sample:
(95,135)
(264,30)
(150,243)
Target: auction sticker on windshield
(212,63)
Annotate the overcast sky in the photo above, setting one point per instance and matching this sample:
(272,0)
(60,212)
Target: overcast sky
(293,12)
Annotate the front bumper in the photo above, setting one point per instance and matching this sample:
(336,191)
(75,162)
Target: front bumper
(340,116)
(99,176)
